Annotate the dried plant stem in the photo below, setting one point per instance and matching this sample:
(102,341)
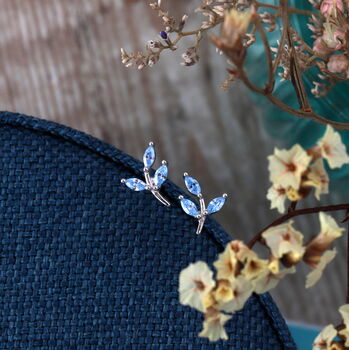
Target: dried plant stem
(277,102)
(271,81)
(294,213)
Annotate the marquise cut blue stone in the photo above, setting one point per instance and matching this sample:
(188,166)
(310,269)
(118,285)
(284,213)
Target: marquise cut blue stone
(135,184)
(149,157)
(161,175)
(215,205)
(192,185)
(189,207)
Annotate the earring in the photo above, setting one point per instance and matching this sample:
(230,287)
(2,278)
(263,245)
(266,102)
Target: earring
(190,207)
(152,184)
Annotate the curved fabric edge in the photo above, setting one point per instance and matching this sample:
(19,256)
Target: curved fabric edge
(170,189)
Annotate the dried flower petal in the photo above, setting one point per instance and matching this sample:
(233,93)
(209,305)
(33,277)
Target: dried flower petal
(254,267)
(284,239)
(316,274)
(330,7)
(226,264)
(318,178)
(242,290)
(338,63)
(325,337)
(345,333)
(277,196)
(195,282)
(344,311)
(287,166)
(328,233)
(269,280)
(333,36)
(333,149)
(214,326)
(224,291)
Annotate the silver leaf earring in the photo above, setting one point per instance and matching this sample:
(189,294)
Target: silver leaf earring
(190,207)
(152,184)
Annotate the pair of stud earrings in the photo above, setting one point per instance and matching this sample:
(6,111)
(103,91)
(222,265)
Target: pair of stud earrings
(154,183)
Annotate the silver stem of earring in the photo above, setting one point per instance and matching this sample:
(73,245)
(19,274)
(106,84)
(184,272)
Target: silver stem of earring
(202,214)
(153,189)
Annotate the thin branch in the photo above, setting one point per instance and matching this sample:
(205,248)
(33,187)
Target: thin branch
(271,81)
(295,213)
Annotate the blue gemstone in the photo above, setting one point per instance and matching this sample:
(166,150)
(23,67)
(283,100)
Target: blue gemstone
(161,175)
(215,205)
(135,184)
(164,35)
(192,185)
(189,207)
(149,157)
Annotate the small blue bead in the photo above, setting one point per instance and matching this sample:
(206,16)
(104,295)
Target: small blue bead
(164,35)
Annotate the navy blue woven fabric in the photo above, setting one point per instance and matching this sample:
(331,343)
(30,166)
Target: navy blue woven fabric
(85,263)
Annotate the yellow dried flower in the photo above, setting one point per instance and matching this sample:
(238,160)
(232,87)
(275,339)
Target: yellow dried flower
(293,195)
(224,291)
(214,325)
(253,267)
(284,239)
(328,233)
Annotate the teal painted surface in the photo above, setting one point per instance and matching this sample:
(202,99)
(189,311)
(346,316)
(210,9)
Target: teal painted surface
(288,129)
(303,335)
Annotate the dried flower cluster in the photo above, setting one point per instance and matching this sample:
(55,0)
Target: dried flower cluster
(334,338)
(295,172)
(241,21)
(241,272)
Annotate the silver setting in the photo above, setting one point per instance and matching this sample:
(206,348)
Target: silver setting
(154,189)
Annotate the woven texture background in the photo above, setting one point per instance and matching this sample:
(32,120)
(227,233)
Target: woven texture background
(88,264)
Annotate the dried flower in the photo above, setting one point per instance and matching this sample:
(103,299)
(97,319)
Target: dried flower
(328,233)
(223,292)
(321,48)
(242,290)
(325,337)
(241,250)
(195,283)
(338,63)
(254,267)
(214,325)
(333,36)
(333,149)
(287,166)
(284,239)
(344,311)
(232,34)
(226,264)
(330,7)
(316,274)
(277,196)
(269,280)
(293,195)
(318,178)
